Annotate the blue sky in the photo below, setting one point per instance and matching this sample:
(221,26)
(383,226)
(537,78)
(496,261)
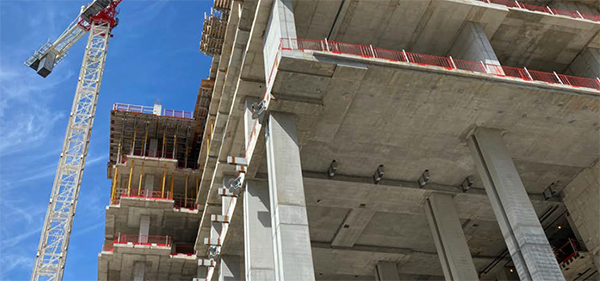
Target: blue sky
(153,55)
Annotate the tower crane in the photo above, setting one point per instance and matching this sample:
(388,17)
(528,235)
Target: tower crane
(98,19)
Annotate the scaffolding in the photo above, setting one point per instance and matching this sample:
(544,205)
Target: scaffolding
(213,33)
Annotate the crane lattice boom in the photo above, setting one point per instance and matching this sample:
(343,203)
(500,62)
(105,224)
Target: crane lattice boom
(54,241)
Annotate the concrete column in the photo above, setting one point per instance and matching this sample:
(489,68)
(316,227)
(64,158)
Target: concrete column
(258,245)
(526,241)
(472,44)
(144,229)
(449,238)
(139,271)
(586,63)
(291,243)
(386,271)
(149,182)
(581,197)
(281,25)
(230,269)
(152,150)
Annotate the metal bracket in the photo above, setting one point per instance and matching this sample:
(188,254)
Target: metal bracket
(467,184)
(258,108)
(378,174)
(332,169)
(214,251)
(424,179)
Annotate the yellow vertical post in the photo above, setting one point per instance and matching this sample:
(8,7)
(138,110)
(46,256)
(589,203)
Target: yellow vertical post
(114,185)
(162,193)
(172,178)
(119,151)
(141,179)
(187,177)
(129,183)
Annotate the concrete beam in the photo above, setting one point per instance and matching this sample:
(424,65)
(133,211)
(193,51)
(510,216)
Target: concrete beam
(355,222)
(293,257)
(449,238)
(258,244)
(525,238)
(386,271)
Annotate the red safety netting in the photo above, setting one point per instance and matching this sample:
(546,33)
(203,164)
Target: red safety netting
(443,62)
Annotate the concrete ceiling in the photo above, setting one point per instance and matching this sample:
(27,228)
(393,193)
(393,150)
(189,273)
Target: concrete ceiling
(520,37)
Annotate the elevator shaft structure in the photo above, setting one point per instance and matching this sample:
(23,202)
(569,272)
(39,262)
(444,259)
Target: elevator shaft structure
(54,241)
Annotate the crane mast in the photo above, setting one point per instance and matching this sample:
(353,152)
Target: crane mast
(98,19)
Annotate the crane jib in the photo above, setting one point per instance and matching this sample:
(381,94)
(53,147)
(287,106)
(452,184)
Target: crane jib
(49,55)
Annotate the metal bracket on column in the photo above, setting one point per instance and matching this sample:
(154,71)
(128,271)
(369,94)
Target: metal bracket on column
(232,186)
(214,251)
(378,174)
(424,179)
(258,108)
(467,184)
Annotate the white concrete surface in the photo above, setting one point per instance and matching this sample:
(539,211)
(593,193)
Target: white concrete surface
(386,271)
(258,241)
(291,238)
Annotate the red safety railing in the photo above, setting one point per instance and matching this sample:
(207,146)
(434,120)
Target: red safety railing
(567,251)
(185,249)
(189,203)
(180,200)
(108,246)
(443,62)
(150,110)
(542,9)
(140,193)
(149,240)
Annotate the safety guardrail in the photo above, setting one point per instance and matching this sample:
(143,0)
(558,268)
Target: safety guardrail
(148,240)
(566,251)
(150,110)
(448,63)
(184,249)
(180,200)
(543,9)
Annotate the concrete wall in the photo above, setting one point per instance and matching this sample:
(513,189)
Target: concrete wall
(581,197)
(586,64)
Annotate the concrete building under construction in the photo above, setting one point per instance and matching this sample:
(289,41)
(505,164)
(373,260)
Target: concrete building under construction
(369,140)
